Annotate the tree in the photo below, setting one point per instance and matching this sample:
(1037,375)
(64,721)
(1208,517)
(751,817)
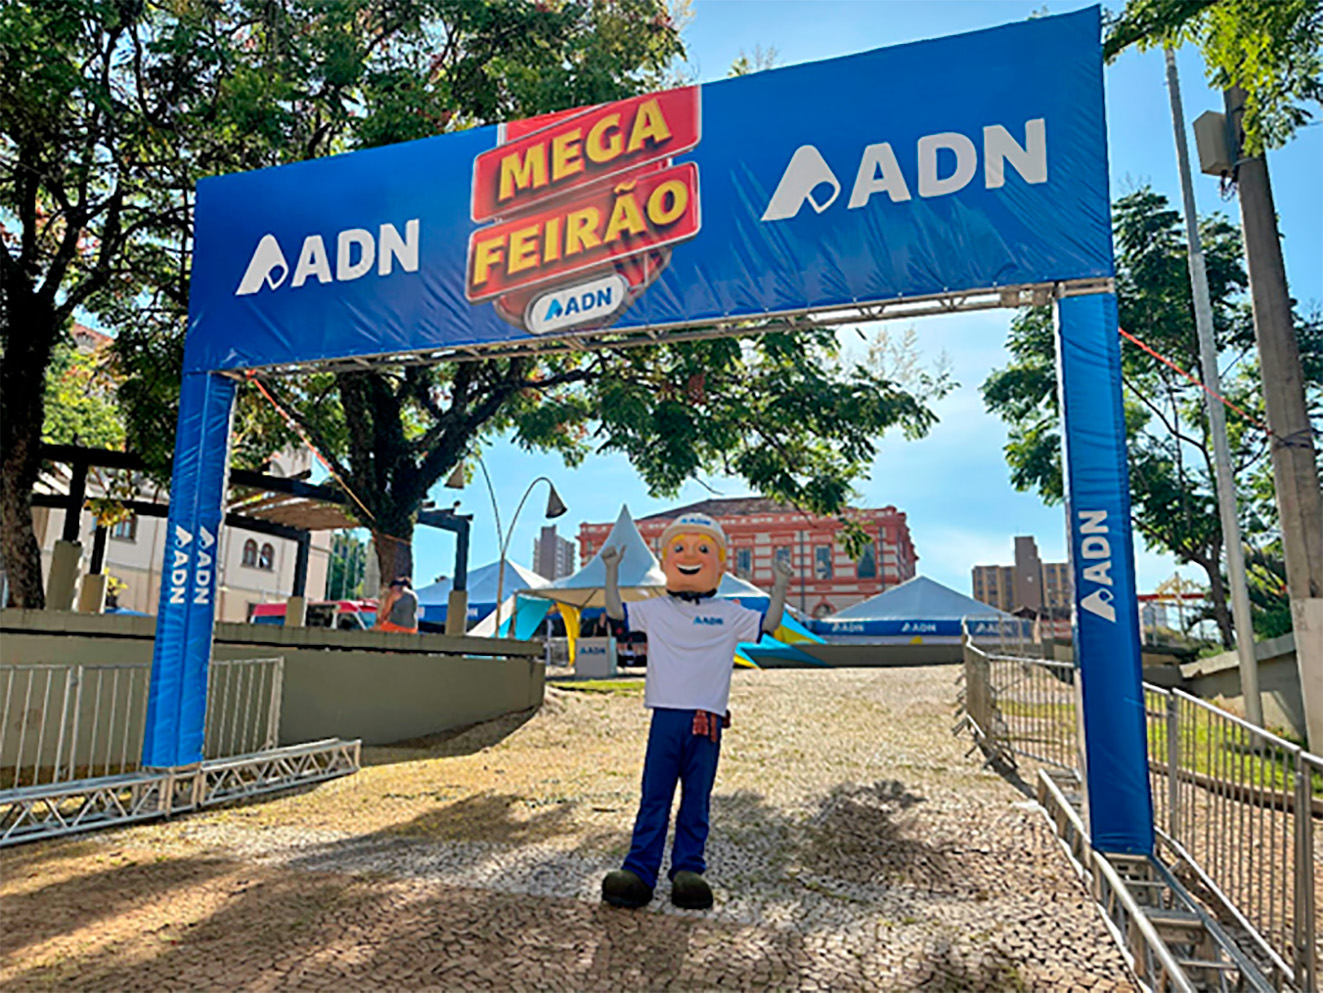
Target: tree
(1172,479)
(112,109)
(1274,51)
(344,574)
(783,411)
(80,400)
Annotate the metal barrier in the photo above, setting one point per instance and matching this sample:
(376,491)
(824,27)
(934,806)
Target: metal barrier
(1020,707)
(1235,806)
(63,722)
(71,721)
(71,737)
(243,706)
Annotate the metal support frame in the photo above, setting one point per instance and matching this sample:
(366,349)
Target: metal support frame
(71,807)
(459,525)
(799,320)
(81,459)
(301,563)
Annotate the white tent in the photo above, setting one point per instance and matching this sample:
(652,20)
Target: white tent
(640,572)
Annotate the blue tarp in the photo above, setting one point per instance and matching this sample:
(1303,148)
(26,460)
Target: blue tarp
(434,600)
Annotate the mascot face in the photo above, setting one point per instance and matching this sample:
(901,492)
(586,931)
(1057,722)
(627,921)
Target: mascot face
(692,563)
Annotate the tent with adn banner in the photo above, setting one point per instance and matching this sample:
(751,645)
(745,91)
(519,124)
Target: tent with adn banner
(920,611)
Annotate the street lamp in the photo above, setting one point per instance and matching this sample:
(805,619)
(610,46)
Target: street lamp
(555,508)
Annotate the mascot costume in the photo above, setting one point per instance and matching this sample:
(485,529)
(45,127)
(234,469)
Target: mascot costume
(692,637)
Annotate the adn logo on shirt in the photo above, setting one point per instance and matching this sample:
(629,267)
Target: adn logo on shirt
(709,620)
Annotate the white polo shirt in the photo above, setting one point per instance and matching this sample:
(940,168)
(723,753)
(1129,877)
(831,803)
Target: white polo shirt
(691,649)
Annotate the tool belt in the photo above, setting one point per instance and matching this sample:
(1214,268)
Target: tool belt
(709,725)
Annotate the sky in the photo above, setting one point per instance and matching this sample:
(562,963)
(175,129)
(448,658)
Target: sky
(953,485)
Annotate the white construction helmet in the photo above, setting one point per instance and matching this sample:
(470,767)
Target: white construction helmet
(694,524)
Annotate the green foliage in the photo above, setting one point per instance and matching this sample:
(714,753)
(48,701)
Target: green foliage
(124,106)
(80,401)
(347,567)
(1171,473)
(1273,50)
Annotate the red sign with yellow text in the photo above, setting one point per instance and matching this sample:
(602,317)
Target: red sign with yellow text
(638,212)
(583,147)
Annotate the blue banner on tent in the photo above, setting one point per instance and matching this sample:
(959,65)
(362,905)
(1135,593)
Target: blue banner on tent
(970,162)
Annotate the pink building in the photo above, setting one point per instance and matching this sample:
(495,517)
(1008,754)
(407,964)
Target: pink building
(760,531)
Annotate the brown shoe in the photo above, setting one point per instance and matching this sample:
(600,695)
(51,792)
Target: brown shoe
(690,891)
(622,888)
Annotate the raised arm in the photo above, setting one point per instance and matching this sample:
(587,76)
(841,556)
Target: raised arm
(777,606)
(611,559)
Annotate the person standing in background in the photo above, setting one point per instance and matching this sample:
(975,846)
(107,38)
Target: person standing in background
(399,608)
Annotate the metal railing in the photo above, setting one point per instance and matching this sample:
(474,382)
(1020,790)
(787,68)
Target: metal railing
(1020,707)
(64,722)
(1236,815)
(1235,806)
(243,706)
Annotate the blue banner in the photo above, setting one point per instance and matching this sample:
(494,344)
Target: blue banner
(177,693)
(1102,565)
(946,628)
(970,162)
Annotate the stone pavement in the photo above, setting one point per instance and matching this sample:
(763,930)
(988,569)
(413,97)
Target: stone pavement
(853,847)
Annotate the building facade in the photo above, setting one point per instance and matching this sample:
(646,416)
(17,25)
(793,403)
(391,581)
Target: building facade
(761,531)
(1030,584)
(553,556)
(253,568)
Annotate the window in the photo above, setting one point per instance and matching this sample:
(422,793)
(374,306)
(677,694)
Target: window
(250,553)
(266,559)
(866,568)
(127,529)
(783,554)
(743,562)
(822,562)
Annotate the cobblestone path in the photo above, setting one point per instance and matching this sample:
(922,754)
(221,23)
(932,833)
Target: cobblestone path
(853,848)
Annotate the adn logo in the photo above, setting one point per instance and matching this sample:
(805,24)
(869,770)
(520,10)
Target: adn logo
(203,570)
(356,250)
(1095,547)
(946,163)
(717,621)
(572,306)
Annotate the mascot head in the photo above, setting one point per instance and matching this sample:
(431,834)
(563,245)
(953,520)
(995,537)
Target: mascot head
(693,551)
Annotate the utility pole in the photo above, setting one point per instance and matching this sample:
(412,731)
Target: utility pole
(1217,420)
(1294,456)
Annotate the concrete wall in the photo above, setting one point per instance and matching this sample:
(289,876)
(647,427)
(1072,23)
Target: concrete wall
(1279,683)
(348,684)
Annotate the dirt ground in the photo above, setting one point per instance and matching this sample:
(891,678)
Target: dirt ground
(853,846)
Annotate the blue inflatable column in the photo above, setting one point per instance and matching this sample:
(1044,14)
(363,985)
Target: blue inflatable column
(177,697)
(1102,566)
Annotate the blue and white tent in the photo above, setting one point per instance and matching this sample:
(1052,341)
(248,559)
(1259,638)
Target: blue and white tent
(918,611)
(433,600)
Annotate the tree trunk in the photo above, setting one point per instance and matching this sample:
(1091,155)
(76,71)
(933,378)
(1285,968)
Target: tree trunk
(1217,594)
(29,338)
(394,547)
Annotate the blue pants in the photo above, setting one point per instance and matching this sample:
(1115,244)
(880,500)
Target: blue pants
(675,754)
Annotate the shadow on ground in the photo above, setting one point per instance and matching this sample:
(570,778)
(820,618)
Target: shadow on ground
(452,743)
(247,927)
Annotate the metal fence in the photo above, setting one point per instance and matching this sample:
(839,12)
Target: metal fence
(1233,805)
(1020,707)
(243,706)
(63,722)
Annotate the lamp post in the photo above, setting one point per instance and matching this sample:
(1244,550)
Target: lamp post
(555,508)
